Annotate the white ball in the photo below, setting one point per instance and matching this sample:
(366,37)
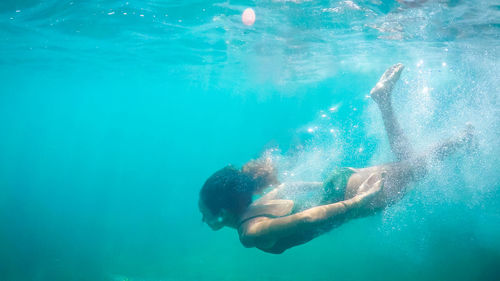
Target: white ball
(248,16)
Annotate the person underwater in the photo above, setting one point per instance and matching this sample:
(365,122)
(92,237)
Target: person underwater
(276,221)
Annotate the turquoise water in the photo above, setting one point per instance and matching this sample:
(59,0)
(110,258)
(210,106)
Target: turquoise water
(113,114)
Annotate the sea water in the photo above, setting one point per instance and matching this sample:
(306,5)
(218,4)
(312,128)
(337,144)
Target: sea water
(113,114)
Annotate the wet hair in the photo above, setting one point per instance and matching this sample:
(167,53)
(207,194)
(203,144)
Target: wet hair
(229,189)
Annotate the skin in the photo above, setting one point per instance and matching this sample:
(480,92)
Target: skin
(368,189)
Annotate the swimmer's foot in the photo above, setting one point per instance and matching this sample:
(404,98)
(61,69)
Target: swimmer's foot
(468,137)
(381,93)
(469,130)
(465,139)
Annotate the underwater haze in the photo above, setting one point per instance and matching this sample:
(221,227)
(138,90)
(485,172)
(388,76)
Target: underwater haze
(114,113)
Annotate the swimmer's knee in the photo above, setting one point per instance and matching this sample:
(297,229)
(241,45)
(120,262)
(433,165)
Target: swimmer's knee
(409,170)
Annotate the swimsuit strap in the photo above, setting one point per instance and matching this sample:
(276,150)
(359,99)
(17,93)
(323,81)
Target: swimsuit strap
(271,209)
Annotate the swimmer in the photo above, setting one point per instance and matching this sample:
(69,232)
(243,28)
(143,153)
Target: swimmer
(277,221)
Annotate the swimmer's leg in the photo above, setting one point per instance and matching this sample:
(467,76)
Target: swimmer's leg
(398,175)
(381,94)
(448,147)
(401,174)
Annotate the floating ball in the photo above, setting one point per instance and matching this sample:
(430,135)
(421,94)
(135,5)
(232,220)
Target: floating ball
(248,16)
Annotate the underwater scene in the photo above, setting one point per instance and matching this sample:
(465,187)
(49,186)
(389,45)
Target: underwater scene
(113,115)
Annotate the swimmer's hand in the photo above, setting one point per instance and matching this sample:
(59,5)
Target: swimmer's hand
(369,189)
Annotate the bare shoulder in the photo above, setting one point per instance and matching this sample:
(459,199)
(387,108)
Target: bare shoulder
(250,232)
(254,230)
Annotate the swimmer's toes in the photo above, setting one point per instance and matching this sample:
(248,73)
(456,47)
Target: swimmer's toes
(398,69)
(392,73)
(470,129)
(467,134)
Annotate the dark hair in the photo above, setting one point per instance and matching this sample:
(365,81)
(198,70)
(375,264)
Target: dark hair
(230,189)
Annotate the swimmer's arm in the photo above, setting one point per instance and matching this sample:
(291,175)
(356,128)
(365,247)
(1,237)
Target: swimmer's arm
(309,222)
(268,231)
